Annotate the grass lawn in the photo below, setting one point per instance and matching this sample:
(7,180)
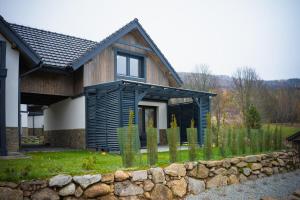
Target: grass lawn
(47,164)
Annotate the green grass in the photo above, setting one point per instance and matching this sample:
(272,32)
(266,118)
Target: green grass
(46,164)
(286,129)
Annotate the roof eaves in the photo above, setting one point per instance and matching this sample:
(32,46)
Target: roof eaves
(13,37)
(103,44)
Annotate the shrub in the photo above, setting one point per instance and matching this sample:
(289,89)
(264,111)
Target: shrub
(253,140)
(151,133)
(234,145)
(242,140)
(192,138)
(222,142)
(253,120)
(173,140)
(261,136)
(129,143)
(267,139)
(229,140)
(208,139)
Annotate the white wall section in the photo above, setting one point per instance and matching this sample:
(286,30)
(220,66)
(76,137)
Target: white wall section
(38,121)
(162,120)
(66,114)
(12,85)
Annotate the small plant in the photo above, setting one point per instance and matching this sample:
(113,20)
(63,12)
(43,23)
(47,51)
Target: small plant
(129,142)
(253,140)
(229,140)
(173,140)
(192,138)
(222,142)
(253,119)
(89,163)
(208,139)
(267,139)
(151,133)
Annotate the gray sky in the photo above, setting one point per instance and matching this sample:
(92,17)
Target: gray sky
(224,34)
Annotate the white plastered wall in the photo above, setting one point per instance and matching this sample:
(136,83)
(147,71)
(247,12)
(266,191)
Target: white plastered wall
(24,116)
(11,85)
(161,113)
(66,114)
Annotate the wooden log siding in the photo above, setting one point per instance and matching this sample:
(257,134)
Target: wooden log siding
(101,68)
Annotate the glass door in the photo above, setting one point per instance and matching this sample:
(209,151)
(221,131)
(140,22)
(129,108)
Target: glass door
(146,113)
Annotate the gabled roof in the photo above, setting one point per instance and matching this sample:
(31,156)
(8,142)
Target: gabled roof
(55,49)
(116,36)
(64,51)
(11,35)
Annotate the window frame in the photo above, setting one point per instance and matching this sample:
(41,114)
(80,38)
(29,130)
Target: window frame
(128,55)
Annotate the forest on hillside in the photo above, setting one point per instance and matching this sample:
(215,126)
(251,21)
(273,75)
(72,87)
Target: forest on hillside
(245,98)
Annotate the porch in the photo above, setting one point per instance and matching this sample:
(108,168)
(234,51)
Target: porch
(108,106)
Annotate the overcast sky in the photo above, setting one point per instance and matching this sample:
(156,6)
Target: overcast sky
(225,35)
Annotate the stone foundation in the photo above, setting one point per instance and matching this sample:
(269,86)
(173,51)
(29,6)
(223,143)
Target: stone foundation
(73,138)
(36,131)
(173,182)
(12,139)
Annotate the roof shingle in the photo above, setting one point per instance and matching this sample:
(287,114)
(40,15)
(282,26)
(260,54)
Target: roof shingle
(55,49)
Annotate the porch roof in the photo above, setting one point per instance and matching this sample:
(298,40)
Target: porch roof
(149,91)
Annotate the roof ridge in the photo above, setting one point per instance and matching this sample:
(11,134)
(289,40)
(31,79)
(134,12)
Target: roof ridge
(43,30)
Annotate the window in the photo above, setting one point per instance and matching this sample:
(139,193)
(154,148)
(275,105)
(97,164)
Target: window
(130,66)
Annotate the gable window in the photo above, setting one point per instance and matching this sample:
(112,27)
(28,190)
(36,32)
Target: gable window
(130,66)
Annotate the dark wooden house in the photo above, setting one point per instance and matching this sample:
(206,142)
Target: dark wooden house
(87,88)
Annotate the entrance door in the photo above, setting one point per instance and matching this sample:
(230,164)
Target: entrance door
(145,114)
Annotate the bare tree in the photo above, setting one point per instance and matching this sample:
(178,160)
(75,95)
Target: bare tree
(201,79)
(245,81)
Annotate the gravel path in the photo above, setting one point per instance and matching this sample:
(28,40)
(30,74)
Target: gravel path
(279,186)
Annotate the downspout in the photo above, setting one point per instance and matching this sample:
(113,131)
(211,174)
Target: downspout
(37,67)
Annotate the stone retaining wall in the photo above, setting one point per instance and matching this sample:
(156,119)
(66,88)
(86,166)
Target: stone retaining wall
(173,182)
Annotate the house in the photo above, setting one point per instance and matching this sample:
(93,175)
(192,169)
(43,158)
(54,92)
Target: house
(294,140)
(85,88)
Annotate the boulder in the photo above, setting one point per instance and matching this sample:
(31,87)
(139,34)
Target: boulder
(67,190)
(178,187)
(267,170)
(195,186)
(175,169)
(161,192)
(242,178)
(241,164)
(108,178)
(78,192)
(108,197)
(250,159)
(148,185)
(139,175)
(126,188)
(246,171)
(200,171)
(256,172)
(275,163)
(99,189)
(214,163)
(45,194)
(222,171)
(234,161)
(60,180)
(33,185)
(275,170)
(233,170)
(281,162)
(256,166)
(226,163)
(87,180)
(190,165)
(10,194)
(267,198)
(121,175)
(217,181)
(158,175)
(233,179)
(8,184)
